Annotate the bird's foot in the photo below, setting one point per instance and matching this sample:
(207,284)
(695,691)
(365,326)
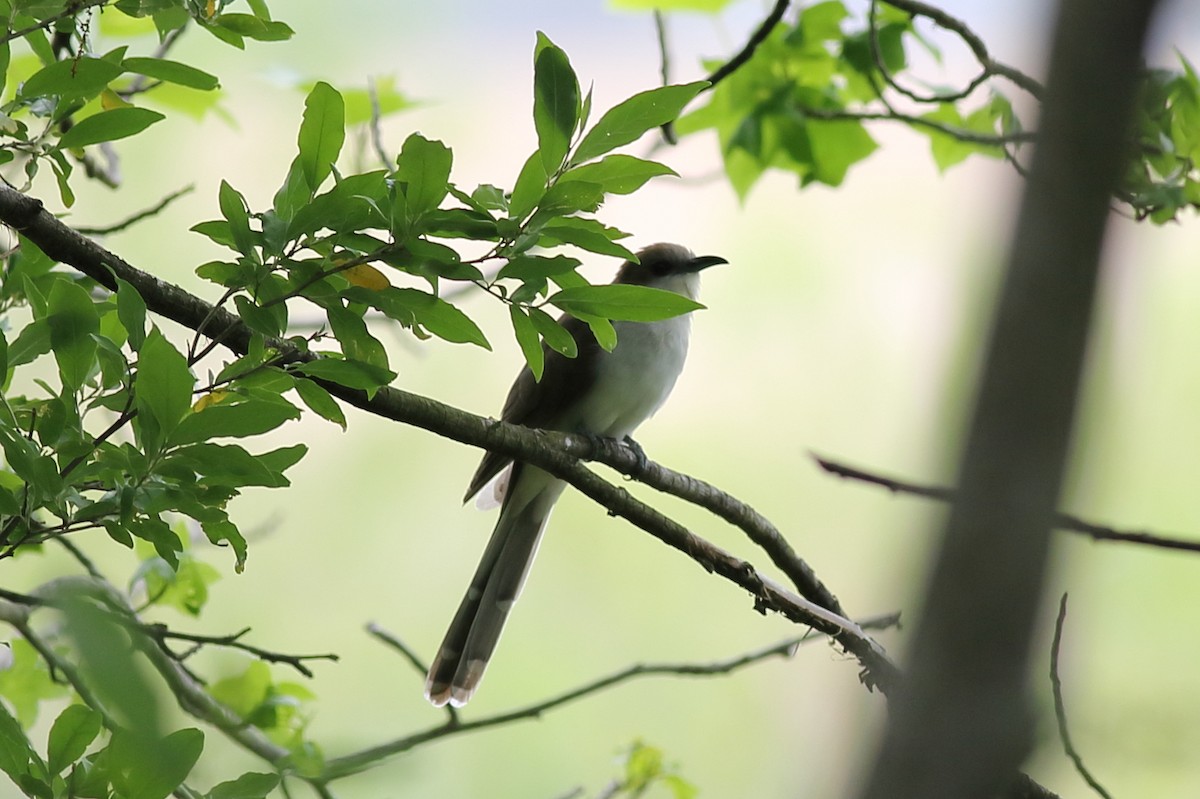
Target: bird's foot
(638,453)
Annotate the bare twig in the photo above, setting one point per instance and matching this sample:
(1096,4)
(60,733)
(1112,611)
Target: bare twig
(395,643)
(960,134)
(758,37)
(374,127)
(1063,521)
(157,208)
(972,40)
(140,83)
(358,761)
(1060,709)
(413,659)
(161,633)
(71,10)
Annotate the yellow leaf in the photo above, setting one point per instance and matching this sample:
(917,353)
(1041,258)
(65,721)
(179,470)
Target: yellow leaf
(367,276)
(211,398)
(110,100)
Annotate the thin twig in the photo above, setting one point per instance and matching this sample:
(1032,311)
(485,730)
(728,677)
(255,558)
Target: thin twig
(960,134)
(758,37)
(139,83)
(358,761)
(972,40)
(376,132)
(46,24)
(1060,709)
(1063,521)
(87,563)
(664,69)
(413,659)
(162,633)
(395,643)
(139,216)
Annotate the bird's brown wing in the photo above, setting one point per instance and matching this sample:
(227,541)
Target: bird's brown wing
(538,404)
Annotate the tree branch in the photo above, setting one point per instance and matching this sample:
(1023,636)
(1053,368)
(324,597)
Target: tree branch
(347,765)
(1063,521)
(758,37)
(973,41)
(1060,708)
(554,452)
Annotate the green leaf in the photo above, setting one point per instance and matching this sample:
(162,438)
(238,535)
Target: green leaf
(245,692)
(628,120)
(537,267)
(557,337)
(527,338)
(234,209)
(184,587)
(587,234)
(162,391)
(30,344)
(624,302)
(322,133)
(268,321)
(357,343)
(361,106)
(73,732)
(172,72)
(240,420)
(26,683)
(118,123)
(227,465)
(424,167)
(131,310)
(223,531)
(154,530)
(619,174)
(71,79)
(153,769)
(529,188)
(15,752)
(72,321)
(247,786)
(351,374)
(252,27)
(569,197)
(836,146)
(555,102)
(440,317)
(320,402)
(293,194)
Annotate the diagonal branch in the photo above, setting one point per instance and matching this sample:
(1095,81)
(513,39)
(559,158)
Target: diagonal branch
(554,452)
(758,37)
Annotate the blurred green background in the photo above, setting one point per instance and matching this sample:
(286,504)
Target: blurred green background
(848,324)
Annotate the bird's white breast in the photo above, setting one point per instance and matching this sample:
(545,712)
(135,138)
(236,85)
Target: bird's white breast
(634,380)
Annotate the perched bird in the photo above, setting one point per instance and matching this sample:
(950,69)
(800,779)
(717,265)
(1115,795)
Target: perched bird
(597,393)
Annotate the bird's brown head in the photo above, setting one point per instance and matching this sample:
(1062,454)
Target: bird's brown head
(667,266)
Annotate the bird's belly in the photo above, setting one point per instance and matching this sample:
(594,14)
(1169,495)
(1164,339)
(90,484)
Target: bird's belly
(635,379)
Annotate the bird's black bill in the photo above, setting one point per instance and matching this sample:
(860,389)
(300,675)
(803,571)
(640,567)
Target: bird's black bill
(704,262)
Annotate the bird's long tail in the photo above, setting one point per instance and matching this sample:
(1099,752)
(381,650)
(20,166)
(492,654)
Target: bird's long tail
(464,654)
